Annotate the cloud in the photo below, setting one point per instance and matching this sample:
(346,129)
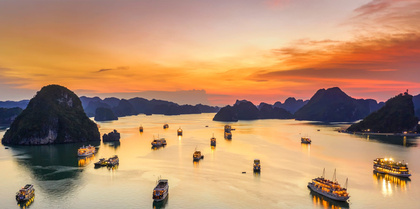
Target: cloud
(110,69)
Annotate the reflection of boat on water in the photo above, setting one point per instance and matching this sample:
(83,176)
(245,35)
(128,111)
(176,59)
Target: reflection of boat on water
(86,151)
(320,200)
(179,131)
(161,190)
(84,161)
(161,204)
(228,135)
(213,141)
(328,188)
(305,140)
(388,166)
(257,165)
(387,181)
(26,193)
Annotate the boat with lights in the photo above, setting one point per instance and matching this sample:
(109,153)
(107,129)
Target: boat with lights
(389,166)
(305,140)
(86,151)
(160,192)
(329,188)
(26,193)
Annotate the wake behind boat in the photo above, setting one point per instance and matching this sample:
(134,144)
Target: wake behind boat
(161,190)
(388,166)
(328,188)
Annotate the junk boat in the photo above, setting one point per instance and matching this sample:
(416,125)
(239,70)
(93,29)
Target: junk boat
(197,155)
(179,131)
(388,166)
(328,188)
(101,162)
(305,140)
(165,126)
(228,133)
(86,151)
(26,193)
(113,161)
(158,142)
(257,165)
(228,128)
(141,129)
(213,141)
(161,190)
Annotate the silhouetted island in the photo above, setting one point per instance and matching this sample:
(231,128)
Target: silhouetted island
(397,116)
(246,110)
(111,136)
(54,115)
(8,115)
(291,104)
(333,105)
(104,114)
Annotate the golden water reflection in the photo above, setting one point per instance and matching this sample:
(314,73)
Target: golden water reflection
(306,148)
(390,184)
(84,161)
(162,204)
(321,201)
(26,204)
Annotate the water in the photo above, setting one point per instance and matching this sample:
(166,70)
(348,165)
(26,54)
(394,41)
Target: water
(62,180)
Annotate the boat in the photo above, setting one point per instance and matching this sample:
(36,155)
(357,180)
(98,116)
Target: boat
(26,193)
(158,142)
(160,192)
(213,141)
(228,128)
(257,165)
(328,188)
(86,151)
(113,161)
(388,166)
(101,162)
(141,129)
(165,126)
(197,155)
(305,140)
(179,131)
(228,135)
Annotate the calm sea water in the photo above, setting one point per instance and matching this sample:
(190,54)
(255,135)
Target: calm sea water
(62,180)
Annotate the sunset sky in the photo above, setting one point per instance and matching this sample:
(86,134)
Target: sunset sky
(260,50)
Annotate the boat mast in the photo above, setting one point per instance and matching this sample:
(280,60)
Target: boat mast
(335,176)
(323,173)
(347,181)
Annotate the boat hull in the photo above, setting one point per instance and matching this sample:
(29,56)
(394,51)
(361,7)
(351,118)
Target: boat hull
(319,191)
(165,195)
(392,174)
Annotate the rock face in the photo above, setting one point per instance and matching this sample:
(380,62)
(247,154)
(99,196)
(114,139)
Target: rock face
(333,105)
(8,115)
(245,110)
(291,104)
(395,117)
(104,114)
(416,101)
(55,115)
(111,136)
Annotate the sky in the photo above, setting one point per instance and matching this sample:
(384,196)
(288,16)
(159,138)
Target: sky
(259,50)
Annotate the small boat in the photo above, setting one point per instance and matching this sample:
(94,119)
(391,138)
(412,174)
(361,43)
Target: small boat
(86,151)
(228,128)
(179,131)
(213,141)
(328,188)
(305,140)
(158,142)
(257,165)
(26,193)
(113,161)
(141,129)
(388,166)
(101,162)
(160,192)
(197,155)
(165,126)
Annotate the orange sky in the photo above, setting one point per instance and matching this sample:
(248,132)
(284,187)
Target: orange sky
(243,49)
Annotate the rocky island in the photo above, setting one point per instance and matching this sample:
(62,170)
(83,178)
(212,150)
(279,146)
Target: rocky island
(397,116)
(104,114)
(112,136)
(55,115)
(7,115)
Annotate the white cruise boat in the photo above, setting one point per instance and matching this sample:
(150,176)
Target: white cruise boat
(328,188)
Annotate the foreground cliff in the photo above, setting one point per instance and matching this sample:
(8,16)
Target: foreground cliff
(55,115)
(396,116)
